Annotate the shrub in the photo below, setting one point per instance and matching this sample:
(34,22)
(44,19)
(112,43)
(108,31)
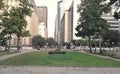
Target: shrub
(56,52)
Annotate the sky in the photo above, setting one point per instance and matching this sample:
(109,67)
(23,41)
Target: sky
(52,11)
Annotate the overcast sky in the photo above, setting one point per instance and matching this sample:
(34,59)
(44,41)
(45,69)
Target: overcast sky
(52,10)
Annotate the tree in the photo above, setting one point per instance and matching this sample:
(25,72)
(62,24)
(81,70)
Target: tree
(1,7)
(3,40)
(18,16)
(81,42)
(3,18)
(112,38)
(38,41)
(117,5)
(8,26)
(90,22)
(50,41)
(14,21)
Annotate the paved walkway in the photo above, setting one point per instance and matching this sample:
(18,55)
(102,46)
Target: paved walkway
(15,54)
(56,70)
(106,57)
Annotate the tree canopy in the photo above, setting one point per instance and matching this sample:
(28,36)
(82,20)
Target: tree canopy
(90,22)
(112,37)
(117,5)
(14,20)
(51,41)
(38,41)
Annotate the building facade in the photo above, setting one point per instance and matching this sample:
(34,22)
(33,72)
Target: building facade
(42,16)
(32,23)
(114,24)
(67,21)
(56,28)
(67,26)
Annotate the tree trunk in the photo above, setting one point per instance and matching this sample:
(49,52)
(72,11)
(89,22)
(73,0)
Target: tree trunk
(18,43)
(100,39)
(90,44)
(9,44)
(95,48)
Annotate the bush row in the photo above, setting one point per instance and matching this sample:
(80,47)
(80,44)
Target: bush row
(56,52)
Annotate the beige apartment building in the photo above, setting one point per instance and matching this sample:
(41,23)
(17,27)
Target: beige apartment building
(32,23)
(42,17)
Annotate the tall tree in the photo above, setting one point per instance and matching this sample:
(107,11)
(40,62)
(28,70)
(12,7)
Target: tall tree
(3,40)
(112,37)
(14,21)
(51,41)
(1,7)
(117,5)
(90,22)
(38,41)
(18,15)
(7,27)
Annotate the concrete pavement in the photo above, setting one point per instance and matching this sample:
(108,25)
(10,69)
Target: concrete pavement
(15,54)
(106,57)
(56,70)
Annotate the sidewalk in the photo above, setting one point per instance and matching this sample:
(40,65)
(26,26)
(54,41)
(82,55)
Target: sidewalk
(56,70)
(15,54)
(106,57)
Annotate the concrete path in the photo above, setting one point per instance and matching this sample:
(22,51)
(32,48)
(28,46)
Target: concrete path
(56,70)
(106,57)
(15,54)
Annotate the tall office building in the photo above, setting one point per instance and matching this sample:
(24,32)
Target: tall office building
(58,25)
(32,23)
(42,16)
(68,21)
(67,25)
(56,28)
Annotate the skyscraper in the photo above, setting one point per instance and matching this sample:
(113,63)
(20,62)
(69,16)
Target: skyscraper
(42,17)
(68,21)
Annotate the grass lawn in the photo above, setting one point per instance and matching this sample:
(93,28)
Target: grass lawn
(76,59)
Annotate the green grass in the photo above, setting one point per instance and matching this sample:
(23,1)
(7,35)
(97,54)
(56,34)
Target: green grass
(69,59)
